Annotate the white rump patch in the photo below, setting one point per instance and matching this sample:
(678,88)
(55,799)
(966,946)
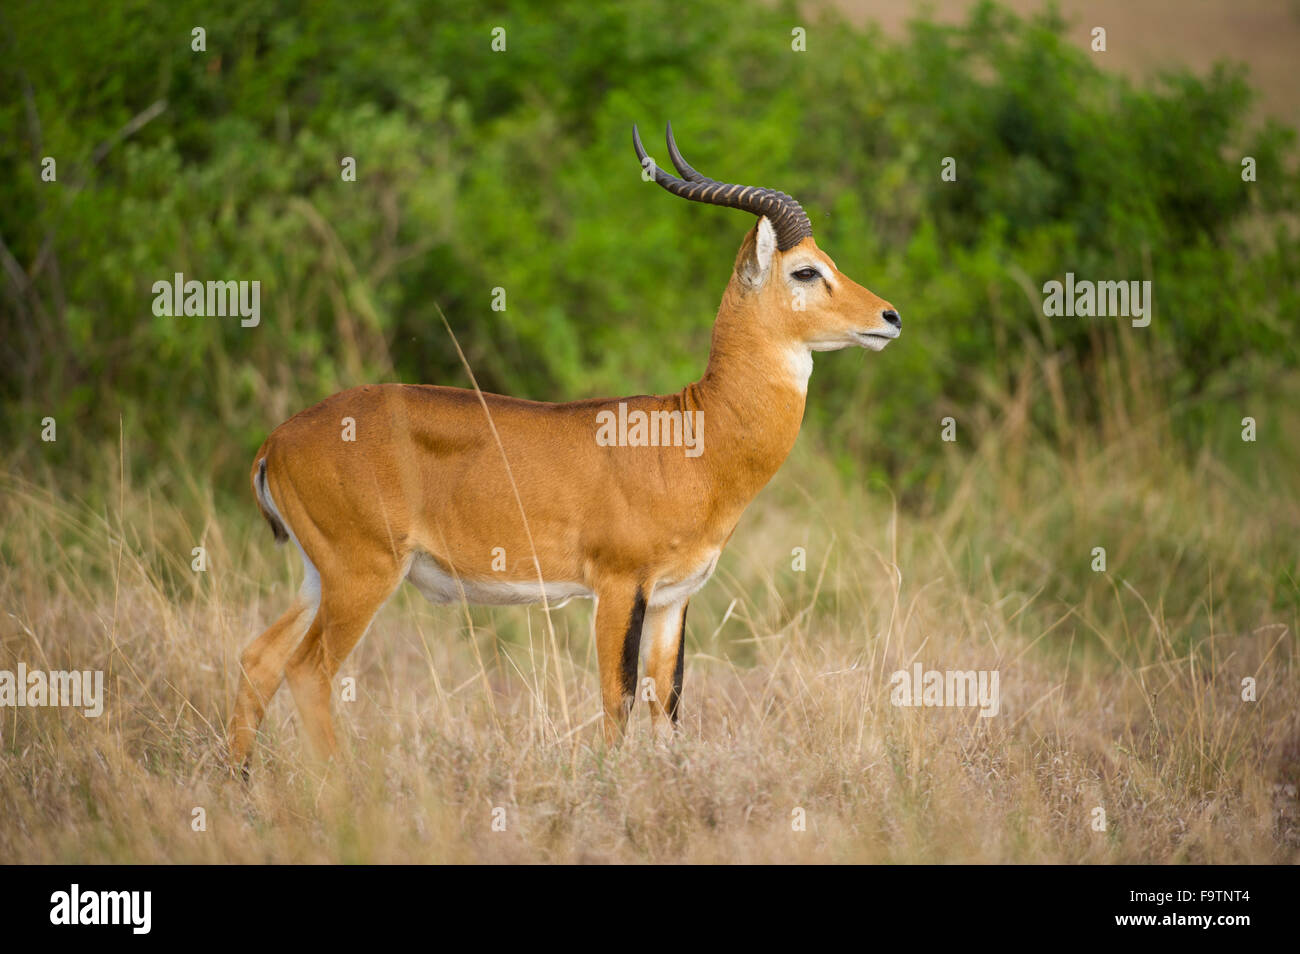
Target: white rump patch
(309,592)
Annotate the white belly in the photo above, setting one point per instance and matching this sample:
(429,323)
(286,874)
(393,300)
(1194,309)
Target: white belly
(438,586)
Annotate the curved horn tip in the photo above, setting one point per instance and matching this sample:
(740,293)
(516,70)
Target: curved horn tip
(683,167)
(669,135)
(636,144)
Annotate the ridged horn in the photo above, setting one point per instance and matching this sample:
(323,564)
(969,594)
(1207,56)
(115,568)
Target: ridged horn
(787,216)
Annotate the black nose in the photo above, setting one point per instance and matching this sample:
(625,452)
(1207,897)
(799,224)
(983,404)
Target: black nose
(891,316)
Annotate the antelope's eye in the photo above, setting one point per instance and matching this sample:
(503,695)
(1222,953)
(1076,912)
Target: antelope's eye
(806,274)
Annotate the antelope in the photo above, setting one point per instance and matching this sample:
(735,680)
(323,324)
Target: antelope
(437,482)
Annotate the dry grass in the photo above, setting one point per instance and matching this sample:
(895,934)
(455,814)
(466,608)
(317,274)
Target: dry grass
(1119,690)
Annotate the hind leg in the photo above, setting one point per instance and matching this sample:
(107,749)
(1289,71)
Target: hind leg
(261,668)
(348,606)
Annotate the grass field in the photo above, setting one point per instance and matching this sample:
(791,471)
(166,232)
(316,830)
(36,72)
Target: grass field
(1121,690)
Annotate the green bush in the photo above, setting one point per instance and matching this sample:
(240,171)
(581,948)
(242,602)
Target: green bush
(480,169)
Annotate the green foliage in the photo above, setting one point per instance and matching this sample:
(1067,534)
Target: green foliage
(480,169)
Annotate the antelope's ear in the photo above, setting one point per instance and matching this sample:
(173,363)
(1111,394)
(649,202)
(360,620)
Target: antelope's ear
(754,264)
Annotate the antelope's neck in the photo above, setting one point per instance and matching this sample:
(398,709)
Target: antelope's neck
(752,398)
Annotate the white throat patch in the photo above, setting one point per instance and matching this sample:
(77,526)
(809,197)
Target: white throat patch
(800,364)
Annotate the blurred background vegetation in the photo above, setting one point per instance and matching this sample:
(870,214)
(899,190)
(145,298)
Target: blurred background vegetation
(478,169)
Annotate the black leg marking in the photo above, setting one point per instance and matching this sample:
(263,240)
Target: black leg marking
(632,649)
(677,673)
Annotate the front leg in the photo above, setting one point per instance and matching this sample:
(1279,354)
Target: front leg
(665,628)
(620,613)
